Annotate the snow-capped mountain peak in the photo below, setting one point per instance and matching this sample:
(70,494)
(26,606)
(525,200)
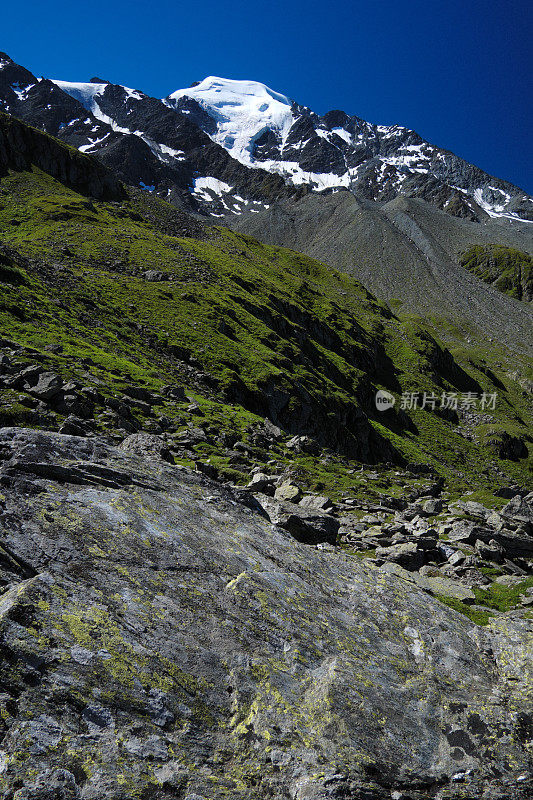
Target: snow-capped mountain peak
(242,110)
(198,145)
(263,128)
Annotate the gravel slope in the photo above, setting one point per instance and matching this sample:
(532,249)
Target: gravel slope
(404,250)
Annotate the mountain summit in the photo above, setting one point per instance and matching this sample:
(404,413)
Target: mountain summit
(243,112)
(260,127)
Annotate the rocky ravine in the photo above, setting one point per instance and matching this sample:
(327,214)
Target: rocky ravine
(160,639)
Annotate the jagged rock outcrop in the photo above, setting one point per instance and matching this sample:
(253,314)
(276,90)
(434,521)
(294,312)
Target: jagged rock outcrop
(161,640)
(22,146)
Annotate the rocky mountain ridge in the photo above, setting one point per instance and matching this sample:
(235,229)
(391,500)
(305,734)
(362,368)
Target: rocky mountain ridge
(22,147)
(260,127)
(191,147)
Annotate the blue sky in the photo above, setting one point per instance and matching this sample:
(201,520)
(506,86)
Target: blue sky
(457,71)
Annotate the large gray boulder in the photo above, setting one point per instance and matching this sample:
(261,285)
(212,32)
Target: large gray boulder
(519,508)
(407,555)
(161,640)
(306,525)
(47,386)
(262,483)
(288,492)
(317,502)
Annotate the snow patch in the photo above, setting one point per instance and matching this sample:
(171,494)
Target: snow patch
(213,184)
(161,151)
(207,186)
(88,148)
(343,134)
(22,91)
(169,151)
(294,174)
(84,93)
(496,209)
(390,131)
(132,93)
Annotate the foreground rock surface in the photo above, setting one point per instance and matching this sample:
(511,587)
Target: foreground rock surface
(161,640)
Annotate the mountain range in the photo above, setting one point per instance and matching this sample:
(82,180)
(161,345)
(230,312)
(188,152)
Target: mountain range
(258,128)
(378,202)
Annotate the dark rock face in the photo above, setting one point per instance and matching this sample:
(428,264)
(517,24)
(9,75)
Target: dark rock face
(160,640)
(507,446)
(22,146)
(306,525)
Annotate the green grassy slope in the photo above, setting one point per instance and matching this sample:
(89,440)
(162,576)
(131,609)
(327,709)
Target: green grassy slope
(505,268)
(250,330)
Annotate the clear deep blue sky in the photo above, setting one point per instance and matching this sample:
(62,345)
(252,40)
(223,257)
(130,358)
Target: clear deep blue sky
(457,71)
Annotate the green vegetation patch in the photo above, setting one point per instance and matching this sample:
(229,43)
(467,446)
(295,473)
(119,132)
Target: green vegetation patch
(502,597)
(507,269)
(475,614)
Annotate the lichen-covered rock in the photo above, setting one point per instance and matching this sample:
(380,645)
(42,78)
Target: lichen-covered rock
(437,584)
(160,640)
(317,502)
(146,444)
(288,492)
(59,784)
(408,555)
